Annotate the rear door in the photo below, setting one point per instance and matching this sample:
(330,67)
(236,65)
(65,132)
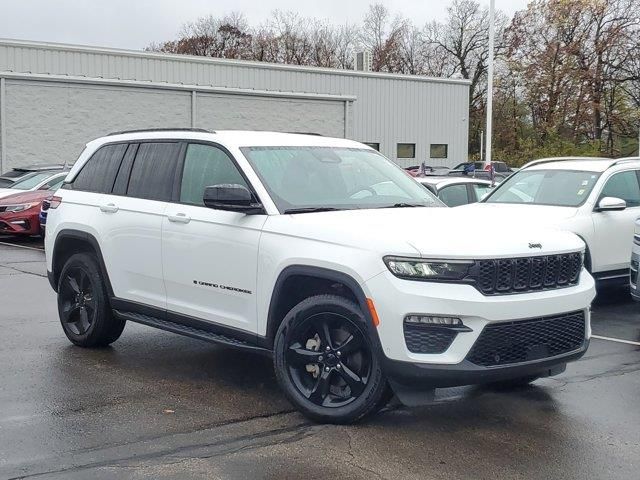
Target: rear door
(210,256)
(131,220)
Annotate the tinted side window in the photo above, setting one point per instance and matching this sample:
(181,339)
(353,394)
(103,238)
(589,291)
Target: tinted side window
(454,195)
(122,179)
(99,173)
(154,171)
(625,186)
(204,166)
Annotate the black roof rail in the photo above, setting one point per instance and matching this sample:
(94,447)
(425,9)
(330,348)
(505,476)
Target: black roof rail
(146,130)
(306,133)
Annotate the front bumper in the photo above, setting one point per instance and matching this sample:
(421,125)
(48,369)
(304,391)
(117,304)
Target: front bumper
(395,298)
(18,226)
(23,223)
(416,376)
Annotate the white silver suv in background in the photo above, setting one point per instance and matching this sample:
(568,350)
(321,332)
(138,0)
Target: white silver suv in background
(317,250)
(597,199)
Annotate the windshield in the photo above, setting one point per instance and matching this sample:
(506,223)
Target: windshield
(334,178)
(31,180)
(562,188)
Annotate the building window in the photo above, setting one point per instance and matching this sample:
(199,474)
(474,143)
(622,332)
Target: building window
(406,150)
(439,150)
(375,146)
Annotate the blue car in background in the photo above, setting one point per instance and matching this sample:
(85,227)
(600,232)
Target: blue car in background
(42,217)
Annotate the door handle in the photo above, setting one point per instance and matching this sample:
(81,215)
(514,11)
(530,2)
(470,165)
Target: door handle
(109,208)
(179,218)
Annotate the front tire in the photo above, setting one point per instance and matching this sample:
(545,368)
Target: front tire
(83,304)
(325,362)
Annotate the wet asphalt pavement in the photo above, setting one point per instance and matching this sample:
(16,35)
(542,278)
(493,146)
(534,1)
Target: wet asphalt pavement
(160,406)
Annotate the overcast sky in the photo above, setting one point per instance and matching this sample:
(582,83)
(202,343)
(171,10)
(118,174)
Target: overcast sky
(134,24)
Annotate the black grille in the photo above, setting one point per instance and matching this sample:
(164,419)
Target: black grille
(528,340)
(517,275)
(634,272)
(428,339)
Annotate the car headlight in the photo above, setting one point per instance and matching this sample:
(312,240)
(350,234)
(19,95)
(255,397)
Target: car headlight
(422,269)
(19,208)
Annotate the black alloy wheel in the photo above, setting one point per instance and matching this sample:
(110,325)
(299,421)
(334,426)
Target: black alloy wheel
(78,301)
(83,303)
(325,361)
(328,359)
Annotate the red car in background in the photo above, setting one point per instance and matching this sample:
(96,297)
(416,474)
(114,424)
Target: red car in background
(19,212)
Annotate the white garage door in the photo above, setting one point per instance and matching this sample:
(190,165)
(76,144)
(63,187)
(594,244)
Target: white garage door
(239,112)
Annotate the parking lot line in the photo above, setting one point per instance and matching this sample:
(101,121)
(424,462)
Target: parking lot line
(21,246)
(617,340)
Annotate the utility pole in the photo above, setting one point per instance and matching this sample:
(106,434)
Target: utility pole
(481,145)
(487,157)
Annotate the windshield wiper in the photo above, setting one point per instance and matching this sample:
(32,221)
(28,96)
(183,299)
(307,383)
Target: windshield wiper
(403,205)
(312,209)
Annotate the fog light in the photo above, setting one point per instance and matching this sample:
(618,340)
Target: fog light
(433,320)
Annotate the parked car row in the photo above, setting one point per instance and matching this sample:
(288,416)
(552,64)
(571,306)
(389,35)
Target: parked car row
(22,198)
(476,170)
(456,191)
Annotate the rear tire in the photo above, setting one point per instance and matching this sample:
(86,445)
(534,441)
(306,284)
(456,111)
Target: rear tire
(325,362)
(83,304)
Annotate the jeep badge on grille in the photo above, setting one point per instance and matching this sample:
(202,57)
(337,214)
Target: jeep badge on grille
(535,245)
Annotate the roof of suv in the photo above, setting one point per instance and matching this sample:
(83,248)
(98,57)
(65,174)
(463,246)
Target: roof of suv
(240,138)
(440,182)
(588,164)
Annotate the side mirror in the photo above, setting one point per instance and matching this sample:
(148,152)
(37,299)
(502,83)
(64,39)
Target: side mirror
(231,197)
(611,204)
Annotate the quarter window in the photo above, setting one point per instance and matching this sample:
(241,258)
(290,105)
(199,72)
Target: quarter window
(406,150)
(205,166)
(374,145)
(154,171)
(99,173)
(625,186)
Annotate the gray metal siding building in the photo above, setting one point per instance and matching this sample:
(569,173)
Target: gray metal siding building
(54,98)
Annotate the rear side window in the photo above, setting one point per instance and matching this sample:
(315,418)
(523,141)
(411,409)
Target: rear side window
(154,171)
(99,173)
(205,166)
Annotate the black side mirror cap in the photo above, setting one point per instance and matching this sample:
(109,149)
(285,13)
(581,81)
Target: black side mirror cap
(233,198)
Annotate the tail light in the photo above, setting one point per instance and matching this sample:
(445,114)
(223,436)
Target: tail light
(55,202)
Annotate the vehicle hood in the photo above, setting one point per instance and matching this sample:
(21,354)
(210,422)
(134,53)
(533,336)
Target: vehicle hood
(5,192)
(543,214)
(426,232)
(21,196)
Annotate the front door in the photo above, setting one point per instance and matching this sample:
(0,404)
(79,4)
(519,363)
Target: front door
(613,231)
(209,256)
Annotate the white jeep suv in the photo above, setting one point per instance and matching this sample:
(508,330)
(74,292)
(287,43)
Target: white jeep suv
(598,199)
(317,250)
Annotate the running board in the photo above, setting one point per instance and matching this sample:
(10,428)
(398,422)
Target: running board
(189,331)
